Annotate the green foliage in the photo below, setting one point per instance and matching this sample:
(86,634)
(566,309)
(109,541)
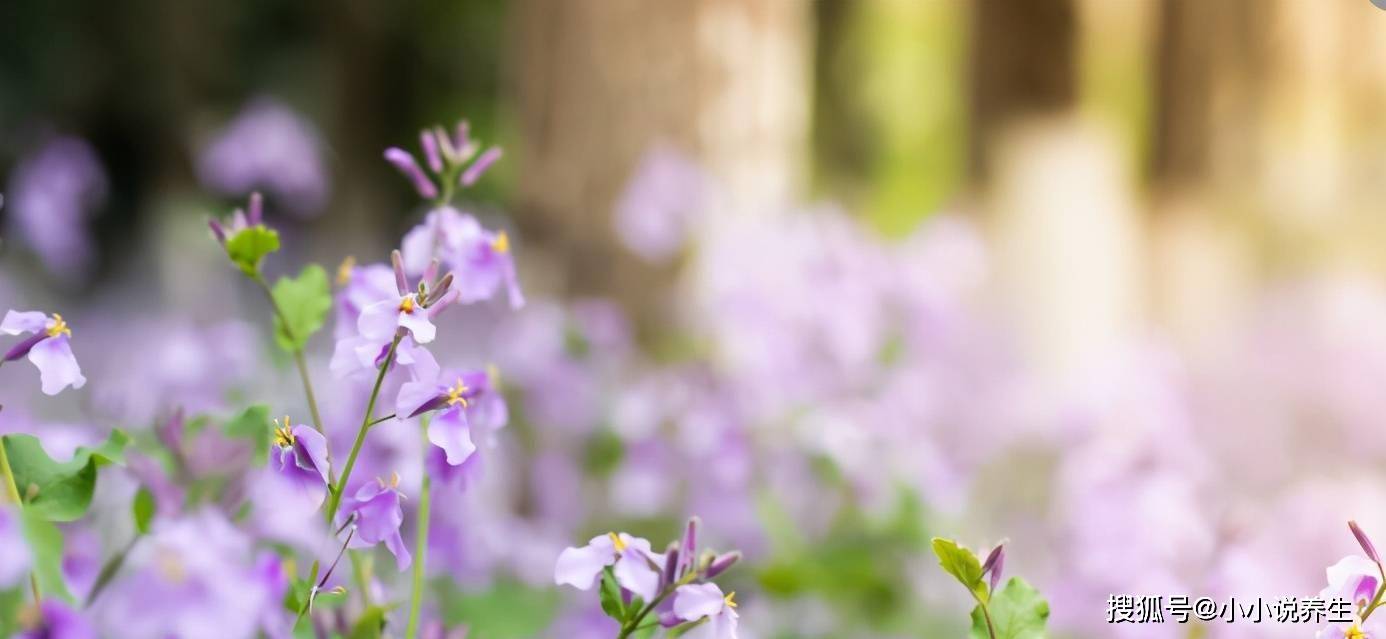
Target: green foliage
(612,604)
(963,565)
(11,602)
(507,611)
(603,453)
(304,302)
(369,624)
(1017,612)
(143,508)
(46,547)
(248,248)
(59,491)
(253,424)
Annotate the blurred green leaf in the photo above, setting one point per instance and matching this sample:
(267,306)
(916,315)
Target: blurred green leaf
(46,547)
(248,248)
(1017,611)
(962,564)
(612,604)
(253,424)
(59,491)
(369,624)
(11,602)
(143,509)
(602,453)
(304,302)
(508,610)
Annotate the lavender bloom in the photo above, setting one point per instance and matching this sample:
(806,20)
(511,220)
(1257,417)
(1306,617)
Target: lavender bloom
(300,456)
(51,193)
(1356,579)
(635,565)
(377,514)
(241,219)
(695,602)
(268,146)
(445,156)
(54,620)
(468,401)
(1364,541)
(481,259)
(359,287)
(996,560)
(47,347)
(655,214)
(14,551)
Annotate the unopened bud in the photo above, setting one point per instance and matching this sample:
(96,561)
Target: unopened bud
(721,563)
(1363,541)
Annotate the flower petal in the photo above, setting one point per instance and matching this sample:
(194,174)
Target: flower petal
(695,601)
(449,431)
(17,322)
(579,567)
(57,366)
(418,325)
(634,573)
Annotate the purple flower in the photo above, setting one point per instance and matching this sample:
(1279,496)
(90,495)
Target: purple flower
(377,516)
(241,219)
(655,214)
(268,146)
(1354,578)
(637,568)
(695,602)
(300,456)
(407,313)
(359,287)
(51,193)
(480,259)
(54,620)
(468,400)
(995,562)
(47,347)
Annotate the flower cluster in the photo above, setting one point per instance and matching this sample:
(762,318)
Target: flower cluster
(675,586)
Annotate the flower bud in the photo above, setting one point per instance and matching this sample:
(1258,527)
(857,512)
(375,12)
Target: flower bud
(473,172)
(721,563)
(994,563)
(404,163)
(430,150)
(1362,540)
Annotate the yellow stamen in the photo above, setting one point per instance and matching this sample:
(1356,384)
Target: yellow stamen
(455,394)
(344,270)
(407,304)
(730,599)
(59,327)
(616,542)
(1354,633)
(283,434)
(502,243)
(394,480)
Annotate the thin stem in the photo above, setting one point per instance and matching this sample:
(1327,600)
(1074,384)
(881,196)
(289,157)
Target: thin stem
(986,614)
(634,624)
(109,570)
(335,500)
(297,352)
(420,556)
(358,574)
(382,419)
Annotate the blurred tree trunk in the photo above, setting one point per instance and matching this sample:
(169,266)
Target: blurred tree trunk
(599,83)
(1023,66)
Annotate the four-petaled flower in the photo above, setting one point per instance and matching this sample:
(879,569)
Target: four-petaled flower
(695,602)
(376,514)
(464,401)
(47,347)
(635,566)
(481,259)
(300,456)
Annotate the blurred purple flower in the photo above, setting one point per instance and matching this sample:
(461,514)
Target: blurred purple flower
(377,515)
(466,402)
(47,347)
(14,551)
(268,146)
(51,194)
(300,456)
(55,620)
(480,259)
(446,156)
(655,214)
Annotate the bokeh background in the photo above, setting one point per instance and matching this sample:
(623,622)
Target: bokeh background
(1101,278)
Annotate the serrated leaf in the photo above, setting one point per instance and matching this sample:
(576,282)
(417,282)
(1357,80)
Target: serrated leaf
(962,564)
(143,508)
(304,302)
(249,246)
(252,424)
(59,491)
(46,547)
(1017,612)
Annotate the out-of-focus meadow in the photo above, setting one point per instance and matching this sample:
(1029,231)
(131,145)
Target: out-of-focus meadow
(1103,278)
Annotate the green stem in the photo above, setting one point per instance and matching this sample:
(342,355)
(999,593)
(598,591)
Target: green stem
(986,614)
(358,574)
(299,362)
(420,552)
(335,499)
(12,494)
(634,624)
(109,570)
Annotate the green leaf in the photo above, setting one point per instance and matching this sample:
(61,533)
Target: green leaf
(143,509)
(304,302)
(508,610)
(253,424)
(612,604)
(369,624)
(59,491)
(962,564)
(248,248)
(46,547)
(1017,611)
